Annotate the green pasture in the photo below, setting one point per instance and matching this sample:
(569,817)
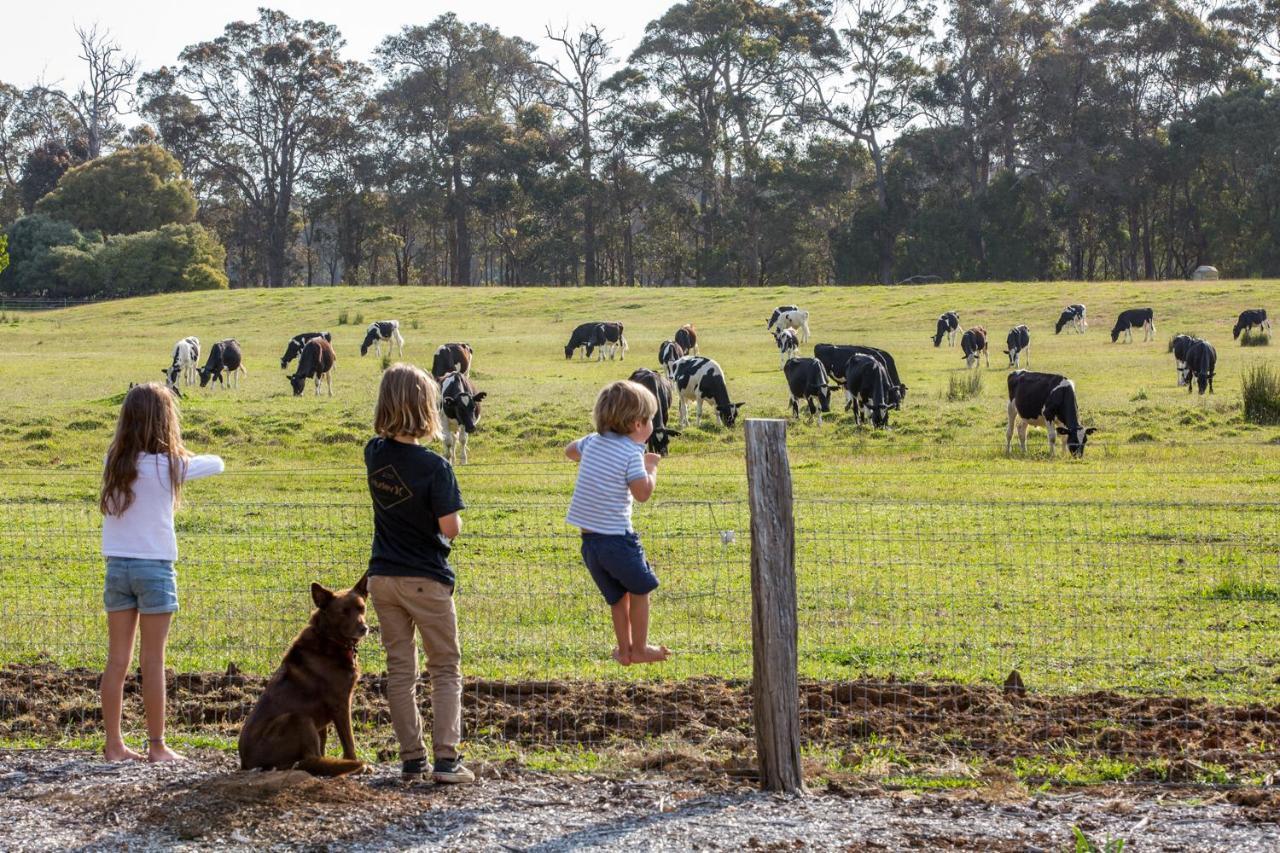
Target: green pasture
(923,551)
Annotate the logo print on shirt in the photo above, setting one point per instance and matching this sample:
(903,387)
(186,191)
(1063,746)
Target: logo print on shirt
(388,489)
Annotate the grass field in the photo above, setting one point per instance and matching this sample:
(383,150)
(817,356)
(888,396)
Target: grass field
(924,552)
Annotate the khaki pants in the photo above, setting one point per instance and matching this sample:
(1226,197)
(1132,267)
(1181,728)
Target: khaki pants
(403,603)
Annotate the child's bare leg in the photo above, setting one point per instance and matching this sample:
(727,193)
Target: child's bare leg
(121,625)
(641,651)
(622,629)
(155,633)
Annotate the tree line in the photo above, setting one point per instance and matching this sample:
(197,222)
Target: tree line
(740,142)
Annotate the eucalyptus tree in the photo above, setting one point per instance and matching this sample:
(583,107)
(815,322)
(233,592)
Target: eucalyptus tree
(258,107)
(98,103)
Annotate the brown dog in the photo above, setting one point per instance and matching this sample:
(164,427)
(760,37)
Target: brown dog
(312,688)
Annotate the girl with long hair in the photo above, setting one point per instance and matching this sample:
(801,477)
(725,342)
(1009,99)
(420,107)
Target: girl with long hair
(141,485)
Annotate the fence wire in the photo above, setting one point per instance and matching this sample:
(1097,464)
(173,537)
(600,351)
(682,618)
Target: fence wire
(1141,628)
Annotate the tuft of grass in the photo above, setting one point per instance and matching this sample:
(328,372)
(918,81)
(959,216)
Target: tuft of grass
(413,324)
(1140,396)
(359,320)
(1260,394)
(386,361)
(1141,438)
(964,386)
(1232,588)
(1249,339)
(343,317)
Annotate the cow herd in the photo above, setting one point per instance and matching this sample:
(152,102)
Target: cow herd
(867,375)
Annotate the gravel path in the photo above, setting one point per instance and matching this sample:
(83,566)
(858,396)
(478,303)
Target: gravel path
(60,799)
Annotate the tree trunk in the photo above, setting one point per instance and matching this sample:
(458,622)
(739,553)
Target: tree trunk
(462,234)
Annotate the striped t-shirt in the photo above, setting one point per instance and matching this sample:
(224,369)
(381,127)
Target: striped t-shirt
(601,498)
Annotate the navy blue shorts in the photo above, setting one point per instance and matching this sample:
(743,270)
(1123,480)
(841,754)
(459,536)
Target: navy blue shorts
(617,565)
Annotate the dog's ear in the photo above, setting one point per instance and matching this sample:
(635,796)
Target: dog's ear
(362,586)
(321,596)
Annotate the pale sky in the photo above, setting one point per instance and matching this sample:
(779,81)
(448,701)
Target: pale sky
(40,42)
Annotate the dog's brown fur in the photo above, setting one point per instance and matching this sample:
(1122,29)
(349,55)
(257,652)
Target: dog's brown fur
(311,689)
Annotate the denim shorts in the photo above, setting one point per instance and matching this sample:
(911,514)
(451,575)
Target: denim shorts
(150,586)
(617,565)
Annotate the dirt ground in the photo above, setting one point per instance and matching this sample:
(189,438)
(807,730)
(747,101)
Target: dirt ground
(1199,740)
(62,799)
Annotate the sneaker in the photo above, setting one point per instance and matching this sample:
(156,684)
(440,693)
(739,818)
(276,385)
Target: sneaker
(414,768)
(451,771)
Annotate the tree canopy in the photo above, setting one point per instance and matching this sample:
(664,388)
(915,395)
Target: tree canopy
(135,189)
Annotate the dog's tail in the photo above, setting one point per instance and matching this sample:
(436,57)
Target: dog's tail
(326,765)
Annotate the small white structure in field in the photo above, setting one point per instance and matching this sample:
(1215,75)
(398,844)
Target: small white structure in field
(1205,273)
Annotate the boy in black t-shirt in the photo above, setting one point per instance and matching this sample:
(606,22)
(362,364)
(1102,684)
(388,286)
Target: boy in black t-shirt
(415,518)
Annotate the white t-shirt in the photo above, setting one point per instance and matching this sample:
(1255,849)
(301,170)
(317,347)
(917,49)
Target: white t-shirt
(601,500)
(145,530)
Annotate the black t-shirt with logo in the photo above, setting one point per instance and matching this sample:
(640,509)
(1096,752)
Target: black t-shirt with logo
(411,487)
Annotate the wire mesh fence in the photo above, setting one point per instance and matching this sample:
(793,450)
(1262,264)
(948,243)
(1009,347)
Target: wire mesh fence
(1144,628)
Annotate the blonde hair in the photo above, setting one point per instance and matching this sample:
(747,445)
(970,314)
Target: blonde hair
(148,423)
(623,404)
(408,404)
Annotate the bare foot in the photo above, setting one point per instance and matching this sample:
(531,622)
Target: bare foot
(121,753)
(650,654)
(625,660)
(162,753)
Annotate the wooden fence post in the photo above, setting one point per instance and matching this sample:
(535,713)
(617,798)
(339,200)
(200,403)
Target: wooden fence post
(775,686)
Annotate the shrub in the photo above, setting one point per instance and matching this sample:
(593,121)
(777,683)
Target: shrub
(964,386)
(33,267)
(1250,339)
(1261,395)
(132,190)
(174,257)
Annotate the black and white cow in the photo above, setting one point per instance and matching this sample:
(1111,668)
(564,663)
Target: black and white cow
(790,317)
(687,338)
(788,343)
(699,378)
(835,357)
(596,334)
(1249,320)
(224,357)
(1018,342)
(460,408)
(1202,361)
(185,363)
(383,331)
(1047,400)
(807,381)
(316,362)
(948,326)
(610,340)
(868,386)
(294,348)
(1073,316)
(974,344)
(1134,318)
(451,357)
(660,438)
(1180,346)
(583,338)
(669,352)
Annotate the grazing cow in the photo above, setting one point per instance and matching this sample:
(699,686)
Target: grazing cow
(974,344)
(451,357)
(1018,343)
(609,338)
(1180,346)
(1253,318)
(223,356)
(460,406)
(669,352)
(1073,316)
(660,438)
(296,343)
(699,378)
(807,380)
(381,331)
(948,325)
(835,357)
(185,363)
(316,362)
(1047,400)
(868,385)
(687,338)
(788,342)
(1132,319)
(790,317)
(1202,360)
